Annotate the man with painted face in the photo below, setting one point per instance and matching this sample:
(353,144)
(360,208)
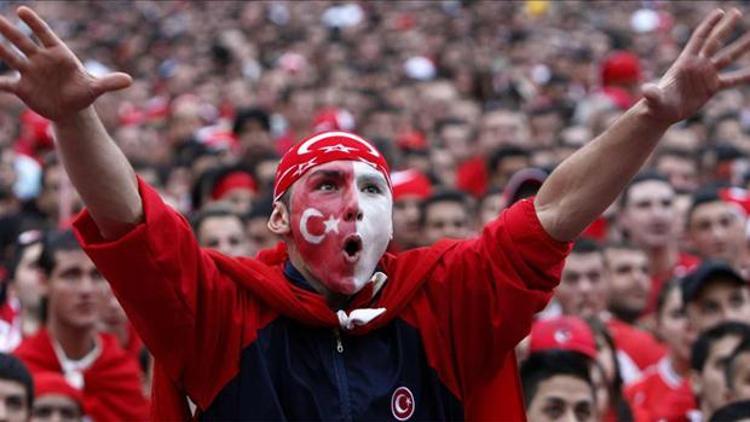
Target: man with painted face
(327,326)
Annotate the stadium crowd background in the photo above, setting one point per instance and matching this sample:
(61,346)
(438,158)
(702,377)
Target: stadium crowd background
(473,103)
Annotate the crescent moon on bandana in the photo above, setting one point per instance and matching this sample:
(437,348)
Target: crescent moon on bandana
(306,215)
(400,410)
(305,147)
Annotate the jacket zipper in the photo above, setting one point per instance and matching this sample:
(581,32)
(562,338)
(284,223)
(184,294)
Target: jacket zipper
(339,369)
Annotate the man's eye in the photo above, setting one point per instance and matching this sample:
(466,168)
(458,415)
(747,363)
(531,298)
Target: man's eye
(326,186)
(374,189)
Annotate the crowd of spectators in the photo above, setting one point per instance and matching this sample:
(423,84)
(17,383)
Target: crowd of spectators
(474,103)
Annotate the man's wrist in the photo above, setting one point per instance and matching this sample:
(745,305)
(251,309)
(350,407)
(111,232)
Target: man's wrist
(643,115)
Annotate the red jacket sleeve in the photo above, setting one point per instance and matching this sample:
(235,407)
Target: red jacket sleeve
(182,307)
(485,292)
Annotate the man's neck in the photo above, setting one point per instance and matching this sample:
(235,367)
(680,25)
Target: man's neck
(30,321)
(663,258)
(76,342)
(335,301)
(680,366)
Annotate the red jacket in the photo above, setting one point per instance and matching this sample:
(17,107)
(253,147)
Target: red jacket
(197,310)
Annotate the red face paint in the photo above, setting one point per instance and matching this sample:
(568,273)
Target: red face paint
(341,223)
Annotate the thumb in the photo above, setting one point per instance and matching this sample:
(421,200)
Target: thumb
(653,95)
(111,82)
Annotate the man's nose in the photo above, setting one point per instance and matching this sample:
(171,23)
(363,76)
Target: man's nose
(352,210)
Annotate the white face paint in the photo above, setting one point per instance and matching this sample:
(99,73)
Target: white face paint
(343,214)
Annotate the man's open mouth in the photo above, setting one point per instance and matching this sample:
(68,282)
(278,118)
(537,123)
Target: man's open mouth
(352,247)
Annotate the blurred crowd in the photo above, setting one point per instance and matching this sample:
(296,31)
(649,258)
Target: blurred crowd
(474,103)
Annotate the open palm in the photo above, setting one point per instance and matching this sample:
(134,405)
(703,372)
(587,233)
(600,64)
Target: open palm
(695,76)
(50,80)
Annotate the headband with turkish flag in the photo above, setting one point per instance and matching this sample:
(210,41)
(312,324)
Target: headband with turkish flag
(323,148)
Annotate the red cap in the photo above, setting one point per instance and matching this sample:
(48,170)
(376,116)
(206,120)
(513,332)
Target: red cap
(47,383)
(621,68)
(563,333)
(233,180)
(323,148)
(329,119)
(737,196)
(410,182)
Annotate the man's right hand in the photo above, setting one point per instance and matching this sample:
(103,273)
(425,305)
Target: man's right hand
(50,79)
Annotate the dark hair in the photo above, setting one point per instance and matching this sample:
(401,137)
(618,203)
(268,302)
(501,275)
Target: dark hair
(248,115)
(732,412)
(218,211)
(645,176)
(705,195)
(502,153)
(541,366)
(262,208)
(666,289)
(56,241)
(585,246)
(702,346)
(447,195)
(13,369)
(604,338)
(731,367)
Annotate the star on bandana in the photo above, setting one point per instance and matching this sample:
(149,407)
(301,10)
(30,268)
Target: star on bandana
(332,224)
(304,166)
(337,147)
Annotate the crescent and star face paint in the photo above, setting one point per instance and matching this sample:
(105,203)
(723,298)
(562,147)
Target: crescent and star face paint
(341,218)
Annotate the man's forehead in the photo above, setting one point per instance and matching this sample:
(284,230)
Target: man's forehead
(358,169)
(651,188)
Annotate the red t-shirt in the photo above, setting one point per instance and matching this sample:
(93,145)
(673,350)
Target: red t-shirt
(641,347)
(472,176)
(685,263)
(661,395)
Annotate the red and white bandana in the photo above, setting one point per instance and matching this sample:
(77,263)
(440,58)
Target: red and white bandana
(323,148)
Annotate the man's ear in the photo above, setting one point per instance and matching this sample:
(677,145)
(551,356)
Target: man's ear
(279,222)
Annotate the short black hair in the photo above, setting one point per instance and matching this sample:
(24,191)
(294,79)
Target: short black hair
(447,195)
(732,412)
(702,346)
(541,366)
(213,211)
(56,241)
(731,368)
(702,196)
(644,176)
(13,369)
(585,246)
(502,153)
(248,115)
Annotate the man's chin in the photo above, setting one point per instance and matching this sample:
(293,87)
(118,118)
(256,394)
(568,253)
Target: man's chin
(346,286)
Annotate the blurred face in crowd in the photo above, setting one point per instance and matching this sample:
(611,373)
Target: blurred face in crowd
(111,314)
(648,216)
(502,128)
(720,300)
(740,388)
(55,407)
(225,234)
(681,171)
(490,207)
(14,402)
(629,281)
(258,235)
(582,287)
(457,140)
(27,281)
(563,398)
(446,219)
(339,224)
(717,231)
(710,383)
(74,289)
(406,230)
(254,139)
(507,167)
(672,325)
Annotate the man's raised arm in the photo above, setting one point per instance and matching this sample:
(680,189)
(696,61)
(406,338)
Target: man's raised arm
(54,83)
(584,185)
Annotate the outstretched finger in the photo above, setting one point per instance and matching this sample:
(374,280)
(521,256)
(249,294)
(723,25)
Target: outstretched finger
(720,33)
(111,82)
(38,26)
(13,59)
(734,78)
(732,52)
(18,38)
(699,37)
(8,84)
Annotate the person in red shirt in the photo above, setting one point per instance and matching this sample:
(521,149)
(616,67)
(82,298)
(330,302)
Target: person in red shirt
(664,391)
(648,218)
(69,344)
(204,311)
(716,227)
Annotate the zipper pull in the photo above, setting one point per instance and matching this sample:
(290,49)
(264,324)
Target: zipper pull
(339,343)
